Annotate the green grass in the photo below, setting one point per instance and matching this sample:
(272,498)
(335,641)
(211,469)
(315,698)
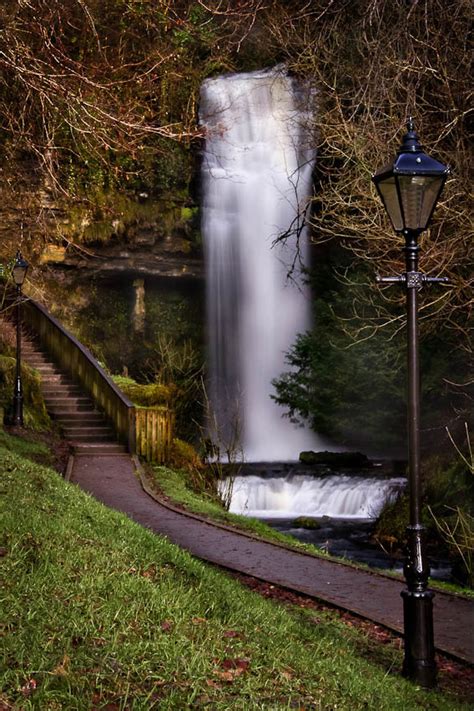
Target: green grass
(98,611)
(30,447)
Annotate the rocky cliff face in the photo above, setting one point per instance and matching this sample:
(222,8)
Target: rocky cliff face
(109,232)
(151,237)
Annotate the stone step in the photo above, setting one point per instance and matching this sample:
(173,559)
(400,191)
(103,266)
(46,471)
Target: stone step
(95,448)
(30,347)
(32,350)
(83,424)
(69,410)
(37,359)
(61,390)
(88,431)
(59,401)
(96,427)
(61,395)
(59,378)
(35,356)
(107,437)
(48,368)
(69,417)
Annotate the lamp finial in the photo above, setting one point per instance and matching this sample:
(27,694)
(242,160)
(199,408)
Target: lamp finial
(410,142)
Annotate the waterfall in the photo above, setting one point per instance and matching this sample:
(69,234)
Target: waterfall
(338,496)
(256,179)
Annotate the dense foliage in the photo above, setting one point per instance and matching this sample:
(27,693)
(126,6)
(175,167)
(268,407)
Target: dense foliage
(447,514)
(354,391)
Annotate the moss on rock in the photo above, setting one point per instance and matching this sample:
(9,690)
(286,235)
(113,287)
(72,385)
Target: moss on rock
(146,395)
(306,522)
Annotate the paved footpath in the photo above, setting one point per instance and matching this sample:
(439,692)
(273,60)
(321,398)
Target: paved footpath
(114,481)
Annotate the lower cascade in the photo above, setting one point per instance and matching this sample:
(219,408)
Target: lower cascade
(337,496)
(256,178)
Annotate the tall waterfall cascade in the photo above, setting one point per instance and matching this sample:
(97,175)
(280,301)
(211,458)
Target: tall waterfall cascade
(256,178)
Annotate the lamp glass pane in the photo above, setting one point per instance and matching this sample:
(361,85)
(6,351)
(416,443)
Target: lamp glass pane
(388,192)
(418,194)
(19,273)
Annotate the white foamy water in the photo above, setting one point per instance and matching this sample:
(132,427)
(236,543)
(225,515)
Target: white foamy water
(338,496)
(256,174)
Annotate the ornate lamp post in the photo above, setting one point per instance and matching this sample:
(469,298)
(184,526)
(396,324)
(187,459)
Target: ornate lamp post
(19,270)
(409,188)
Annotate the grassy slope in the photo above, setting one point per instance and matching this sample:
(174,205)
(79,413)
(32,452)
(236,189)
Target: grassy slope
(97,610)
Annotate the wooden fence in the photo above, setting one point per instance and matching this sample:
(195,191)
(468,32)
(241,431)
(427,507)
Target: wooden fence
(153,433)
(146,431)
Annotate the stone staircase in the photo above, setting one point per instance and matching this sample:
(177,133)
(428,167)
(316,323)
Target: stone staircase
(83,426)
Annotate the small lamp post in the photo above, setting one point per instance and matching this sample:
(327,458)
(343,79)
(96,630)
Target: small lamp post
(409,188)
(19,269)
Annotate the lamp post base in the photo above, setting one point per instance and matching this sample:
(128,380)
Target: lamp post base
(17,415)
(419,663)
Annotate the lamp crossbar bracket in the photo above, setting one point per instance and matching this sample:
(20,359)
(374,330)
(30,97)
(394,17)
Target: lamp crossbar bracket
(412,280)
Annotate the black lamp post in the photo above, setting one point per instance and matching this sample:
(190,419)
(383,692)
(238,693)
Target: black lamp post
(19,270)
(409,188)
